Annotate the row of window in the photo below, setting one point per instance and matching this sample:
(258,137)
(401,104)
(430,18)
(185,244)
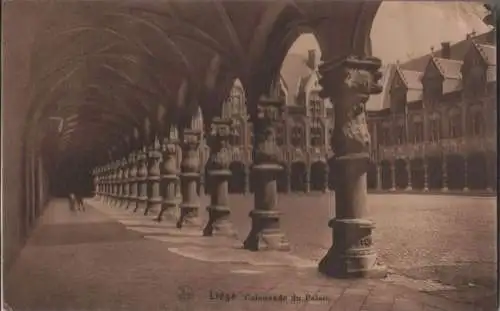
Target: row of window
(475,127)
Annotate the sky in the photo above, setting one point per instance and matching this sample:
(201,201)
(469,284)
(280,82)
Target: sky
(405,30)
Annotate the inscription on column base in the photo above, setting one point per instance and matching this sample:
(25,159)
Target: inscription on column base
(266,233)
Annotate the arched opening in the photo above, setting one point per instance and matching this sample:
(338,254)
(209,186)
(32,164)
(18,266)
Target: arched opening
(371,177)
(435,173)
(417,174)
(385,170)
(318,176)
(455,171)
(298,177)
(237,180)
(477,171)
(401,174)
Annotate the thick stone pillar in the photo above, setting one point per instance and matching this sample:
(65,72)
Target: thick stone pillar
(444,171)
(142,181)
(266,232)
(426,175)
(105,183)
(308,179)
(108,182)
(348,83)
(154,177)
(393,176)
(490,172)
(408,174)
(113,180)
(95,183)
(327,174)
(247,179)
(218,179)
(288,173)
(379,176)
(169,180)
(466,176)
(190,174)
(119,183)
(132,180)
(125,183)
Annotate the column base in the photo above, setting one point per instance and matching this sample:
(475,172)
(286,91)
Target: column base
(426,189)
(168,211)
(409,188)
(141,204)
(489,189)
(444,189)
(354,265)
(265,233)
(392,189)
(218,222)
(465,189)
(189,216)
(153,206)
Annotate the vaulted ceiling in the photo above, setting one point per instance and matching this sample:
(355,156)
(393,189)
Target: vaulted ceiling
(104,68)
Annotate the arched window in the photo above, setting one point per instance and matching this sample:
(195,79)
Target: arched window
(477,123)
(435,127)
(297,137)
(455,123)
(316,134)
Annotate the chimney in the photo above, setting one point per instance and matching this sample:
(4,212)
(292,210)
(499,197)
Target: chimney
(445,50)
(311,59)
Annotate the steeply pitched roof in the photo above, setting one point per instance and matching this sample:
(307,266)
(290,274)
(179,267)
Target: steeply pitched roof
(488,52)
(411,78)
(457,52)
(381,101)
(449,68)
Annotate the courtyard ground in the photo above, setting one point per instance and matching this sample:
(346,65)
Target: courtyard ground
(440,250)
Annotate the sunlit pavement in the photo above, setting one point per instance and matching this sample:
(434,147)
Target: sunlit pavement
(441,251)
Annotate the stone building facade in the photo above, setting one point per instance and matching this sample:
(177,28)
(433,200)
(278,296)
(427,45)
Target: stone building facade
(433,127)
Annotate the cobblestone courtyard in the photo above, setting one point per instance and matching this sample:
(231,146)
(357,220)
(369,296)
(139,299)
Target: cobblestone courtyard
(441,252)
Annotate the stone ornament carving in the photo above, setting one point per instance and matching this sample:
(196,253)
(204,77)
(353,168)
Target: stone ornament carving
(349,84)
(268,114)
(221,133)
(190,153)
(169,152)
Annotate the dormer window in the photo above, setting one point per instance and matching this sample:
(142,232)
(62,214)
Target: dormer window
(432,82)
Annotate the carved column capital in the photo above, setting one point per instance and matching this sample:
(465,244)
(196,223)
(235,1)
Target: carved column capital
(268,114)
(349,83)
(218,140)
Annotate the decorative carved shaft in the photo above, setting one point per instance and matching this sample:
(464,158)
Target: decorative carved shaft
(132,179)
(265,232)
(218,179)
(190,168)
(153,184)
(142,180)
(349,83)
(169,179)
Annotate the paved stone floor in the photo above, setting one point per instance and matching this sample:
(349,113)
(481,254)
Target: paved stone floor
(440,251)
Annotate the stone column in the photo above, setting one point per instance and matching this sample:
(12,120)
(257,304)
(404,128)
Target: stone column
(348,83)
(190,174)
(95,183)
(108,183)
(408,174)
(132,179)
(169,180)
(247,179)
(125,183)
(426,176)
(379,176)
(118,183)
(327,174)
(153,183)
(266,232)
(489,171)
(142,181)
(466,176)
(444,172)
(308,179)
(113,180)
(393,176)
(288,179)
(105,183)
(218,179)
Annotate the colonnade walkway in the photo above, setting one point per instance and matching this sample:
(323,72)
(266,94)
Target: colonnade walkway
(108,258)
